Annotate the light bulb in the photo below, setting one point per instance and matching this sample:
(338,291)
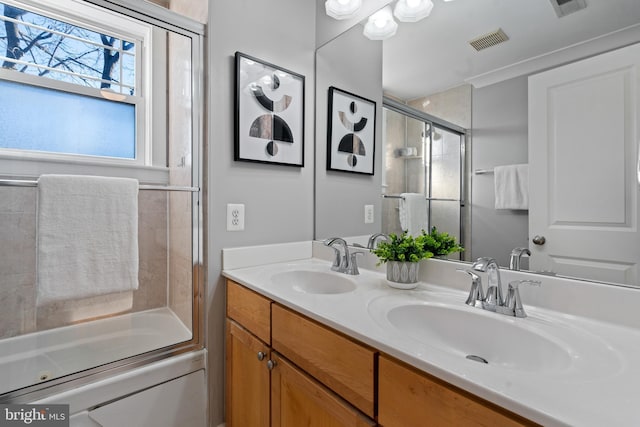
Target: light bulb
(342,9)
(412,10)
(380,25)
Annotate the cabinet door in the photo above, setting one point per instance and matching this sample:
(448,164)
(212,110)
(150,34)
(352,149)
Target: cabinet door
(248,379)
(409,398)
(297,400)
(343,365)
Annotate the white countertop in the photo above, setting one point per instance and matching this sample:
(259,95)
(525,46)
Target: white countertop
(597,384)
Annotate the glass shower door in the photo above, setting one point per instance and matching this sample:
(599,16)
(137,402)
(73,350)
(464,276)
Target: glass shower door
(424,157)
(445,181)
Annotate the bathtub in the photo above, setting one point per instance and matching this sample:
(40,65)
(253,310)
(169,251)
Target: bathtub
(49,355)
(168,393)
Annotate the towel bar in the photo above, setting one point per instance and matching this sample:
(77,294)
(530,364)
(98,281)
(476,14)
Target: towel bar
(435,199)
(30,183)
(483,171)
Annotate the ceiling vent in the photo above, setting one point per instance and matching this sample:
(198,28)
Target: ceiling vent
(491,39)
(565,7)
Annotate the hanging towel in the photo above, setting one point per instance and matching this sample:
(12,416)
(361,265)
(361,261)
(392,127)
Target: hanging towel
(413,213)
(511,186)
(87,236)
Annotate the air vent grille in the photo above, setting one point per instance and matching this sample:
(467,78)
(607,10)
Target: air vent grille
(565,7)
(491,39)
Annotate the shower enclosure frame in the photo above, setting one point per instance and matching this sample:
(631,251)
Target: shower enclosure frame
(167,20)
(431,121)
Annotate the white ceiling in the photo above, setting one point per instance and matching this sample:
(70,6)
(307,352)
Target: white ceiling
(434,55)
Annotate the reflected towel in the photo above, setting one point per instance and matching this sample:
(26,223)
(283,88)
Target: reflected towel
(87,236)
(413,213)
(511,186)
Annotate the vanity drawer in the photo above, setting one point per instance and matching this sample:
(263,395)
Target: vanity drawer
(333,359)
(408,397)
(251,310)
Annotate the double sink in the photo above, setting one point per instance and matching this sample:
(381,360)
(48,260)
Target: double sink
(547,366)
(442,321)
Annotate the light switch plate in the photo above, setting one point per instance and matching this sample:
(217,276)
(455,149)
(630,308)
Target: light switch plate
(235,217)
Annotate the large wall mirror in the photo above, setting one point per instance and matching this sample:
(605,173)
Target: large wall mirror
(432,67)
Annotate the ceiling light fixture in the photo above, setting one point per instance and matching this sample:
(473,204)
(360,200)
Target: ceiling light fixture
(342,9)
(412,10)
(381,25)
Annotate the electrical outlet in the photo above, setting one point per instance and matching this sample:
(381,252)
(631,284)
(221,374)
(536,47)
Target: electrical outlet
(235,217)
(368,214)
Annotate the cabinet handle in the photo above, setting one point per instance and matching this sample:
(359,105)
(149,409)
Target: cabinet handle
(261,356)
(271,364)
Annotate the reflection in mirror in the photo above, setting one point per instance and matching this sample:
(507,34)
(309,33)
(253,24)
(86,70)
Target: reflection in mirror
(342,197)
(423,174)
(428,73)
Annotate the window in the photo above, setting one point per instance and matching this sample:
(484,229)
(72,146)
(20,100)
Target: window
(73,84)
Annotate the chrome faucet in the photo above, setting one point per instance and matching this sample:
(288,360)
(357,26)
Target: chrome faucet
(341,259)
(343,262)
(514,259)
(476,294)
(374,238)
(494,297)
(513,304)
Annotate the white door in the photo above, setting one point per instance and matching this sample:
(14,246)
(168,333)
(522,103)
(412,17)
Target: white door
(583,168)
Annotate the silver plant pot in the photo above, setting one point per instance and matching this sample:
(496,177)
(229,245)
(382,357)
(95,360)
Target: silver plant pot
(403,274)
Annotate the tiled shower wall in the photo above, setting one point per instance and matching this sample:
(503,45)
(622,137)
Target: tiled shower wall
(19,314)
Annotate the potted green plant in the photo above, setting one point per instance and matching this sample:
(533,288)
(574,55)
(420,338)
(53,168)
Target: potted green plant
(402,254)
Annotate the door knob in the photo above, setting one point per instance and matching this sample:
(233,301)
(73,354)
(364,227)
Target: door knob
(539,240)
(261,356)
(271,364)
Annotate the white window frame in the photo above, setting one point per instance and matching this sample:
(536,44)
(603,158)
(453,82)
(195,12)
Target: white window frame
(95,18)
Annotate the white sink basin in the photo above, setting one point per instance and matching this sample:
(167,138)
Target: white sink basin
(314,282)
(489,339)
(529,345)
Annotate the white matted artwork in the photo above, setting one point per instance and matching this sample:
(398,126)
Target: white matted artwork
(351,132)
(269,120)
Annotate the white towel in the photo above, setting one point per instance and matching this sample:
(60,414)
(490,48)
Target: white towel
(413,213)
(87,236)
(511,186)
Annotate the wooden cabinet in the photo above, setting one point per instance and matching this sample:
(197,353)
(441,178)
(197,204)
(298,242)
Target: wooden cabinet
(248,382)
(286,370)
(265,389)
(408,397)
(298,400)
(337,361)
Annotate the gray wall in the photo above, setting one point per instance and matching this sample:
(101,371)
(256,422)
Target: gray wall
(499,116)
(278,199)
(346,63)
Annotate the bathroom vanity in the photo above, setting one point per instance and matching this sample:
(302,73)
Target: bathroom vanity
(317,373)
(312,344)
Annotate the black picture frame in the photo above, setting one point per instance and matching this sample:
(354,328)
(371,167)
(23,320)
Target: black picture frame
(269,113)
(351,132)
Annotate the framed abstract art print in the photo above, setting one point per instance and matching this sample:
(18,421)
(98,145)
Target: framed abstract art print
(351,132)
(269,116)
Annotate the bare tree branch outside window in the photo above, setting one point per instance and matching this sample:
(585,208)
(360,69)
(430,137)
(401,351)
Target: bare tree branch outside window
(46,47)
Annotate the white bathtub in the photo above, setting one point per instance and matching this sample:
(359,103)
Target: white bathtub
(42,356)
(169,393)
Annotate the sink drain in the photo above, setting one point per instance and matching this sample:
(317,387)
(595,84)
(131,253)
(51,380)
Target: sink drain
(477,358)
